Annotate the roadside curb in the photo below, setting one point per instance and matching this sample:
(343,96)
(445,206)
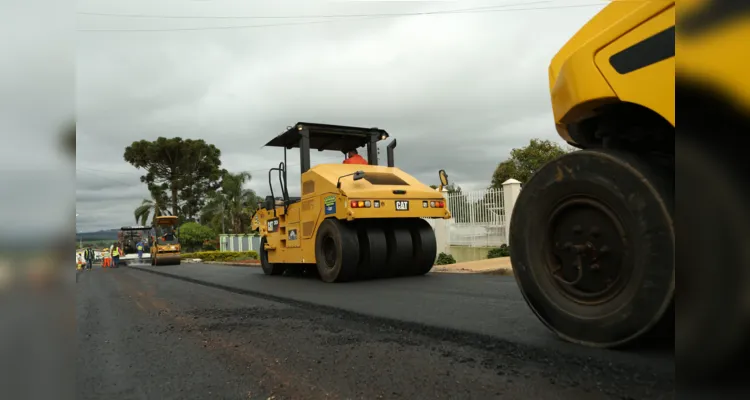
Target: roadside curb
(494,271)
(230,263)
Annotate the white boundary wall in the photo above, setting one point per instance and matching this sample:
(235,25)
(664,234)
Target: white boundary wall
(479,218)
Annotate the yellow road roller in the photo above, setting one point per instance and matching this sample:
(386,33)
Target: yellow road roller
(165,246)
(352,221)
(592,239)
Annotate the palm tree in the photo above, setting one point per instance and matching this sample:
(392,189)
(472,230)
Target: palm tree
(232,205)
(154,207)
(212,213)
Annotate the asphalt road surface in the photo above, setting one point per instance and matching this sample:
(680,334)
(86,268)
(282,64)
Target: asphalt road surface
(215,332)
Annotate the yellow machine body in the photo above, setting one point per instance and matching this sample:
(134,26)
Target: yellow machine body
(352,221)
(610,60)
(165,246)
(614,87)
(291,233)
(617,58)
(577,243)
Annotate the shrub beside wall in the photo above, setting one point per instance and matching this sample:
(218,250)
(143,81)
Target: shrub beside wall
(502,251)
(222,255)
(444,259)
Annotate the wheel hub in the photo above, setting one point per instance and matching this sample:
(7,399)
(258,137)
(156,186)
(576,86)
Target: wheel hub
(586,246)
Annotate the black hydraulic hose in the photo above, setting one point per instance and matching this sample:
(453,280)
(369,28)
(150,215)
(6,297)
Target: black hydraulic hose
(270,185)
(282,170)
(284,191)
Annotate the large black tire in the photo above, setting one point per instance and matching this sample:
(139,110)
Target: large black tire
(611,213)
(373,249)
(336,251)
(400,250)
(268,268)
(424,245)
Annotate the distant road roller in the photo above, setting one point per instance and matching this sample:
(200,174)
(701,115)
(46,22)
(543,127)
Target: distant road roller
(592,239)
(352,221)
(165,245)
(128,238)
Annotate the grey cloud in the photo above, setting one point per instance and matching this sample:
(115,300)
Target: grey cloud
(107,214)
(111,193)
(457,91)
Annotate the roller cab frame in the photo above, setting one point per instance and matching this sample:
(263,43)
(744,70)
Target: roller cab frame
(592,237)
(351,221)
(165,244)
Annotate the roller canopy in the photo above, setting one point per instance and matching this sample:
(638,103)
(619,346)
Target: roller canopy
(328,137)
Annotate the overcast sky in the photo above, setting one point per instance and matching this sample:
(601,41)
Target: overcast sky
(459,90)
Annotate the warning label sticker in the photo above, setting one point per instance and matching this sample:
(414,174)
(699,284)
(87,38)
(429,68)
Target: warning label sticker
(330,204)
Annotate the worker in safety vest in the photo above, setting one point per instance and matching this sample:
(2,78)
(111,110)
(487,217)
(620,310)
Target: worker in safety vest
(354,158)
(88,256)
(139,247)
(115,255)
(105,258)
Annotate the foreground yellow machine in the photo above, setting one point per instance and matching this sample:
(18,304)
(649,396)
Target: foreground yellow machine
(352,221)
(592,236)
(165,246)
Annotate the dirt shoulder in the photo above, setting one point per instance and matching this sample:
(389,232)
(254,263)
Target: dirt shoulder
(494,266)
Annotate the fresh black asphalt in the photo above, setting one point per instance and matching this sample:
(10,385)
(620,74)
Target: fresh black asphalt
(231,332)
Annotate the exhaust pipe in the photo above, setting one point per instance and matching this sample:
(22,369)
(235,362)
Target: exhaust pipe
(390,148)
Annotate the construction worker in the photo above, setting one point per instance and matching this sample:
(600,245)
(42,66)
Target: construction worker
(88,255)
(115,255)
(139,247)
(79,261)
(354,158)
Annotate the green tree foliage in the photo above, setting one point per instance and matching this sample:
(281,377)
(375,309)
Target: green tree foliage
(192,235)
(229,209)
(524,161)
(154,207)
(184,170)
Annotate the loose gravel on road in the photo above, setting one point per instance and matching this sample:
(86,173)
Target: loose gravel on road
(143,335)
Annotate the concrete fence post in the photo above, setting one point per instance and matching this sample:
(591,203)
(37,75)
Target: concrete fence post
(511,190)
(222,242)
(441,228)
(441,235)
